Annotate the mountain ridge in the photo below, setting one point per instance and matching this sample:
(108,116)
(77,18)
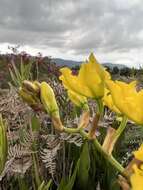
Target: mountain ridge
(72,63)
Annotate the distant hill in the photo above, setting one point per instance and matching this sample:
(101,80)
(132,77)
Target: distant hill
(71,63)
(111,65)
(62,62)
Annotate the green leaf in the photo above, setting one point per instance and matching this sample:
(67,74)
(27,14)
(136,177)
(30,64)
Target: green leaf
(48,185)
(44,186)
(35,123)
(62,184)
(70,183)
(22,69)
(84,166)
(13,77)
(17,73)
(27,70)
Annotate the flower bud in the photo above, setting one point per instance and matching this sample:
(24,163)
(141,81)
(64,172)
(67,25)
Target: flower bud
(49,102)
(33,87)
(48,99)
(31,99)
(27,97)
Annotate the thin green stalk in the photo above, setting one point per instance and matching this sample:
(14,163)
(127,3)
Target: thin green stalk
(37,177)
(37,71)
(71,130)
(36,172)
(100,107)
(99,148)
(113,138)
(108,157)
(120,128)
(22,184)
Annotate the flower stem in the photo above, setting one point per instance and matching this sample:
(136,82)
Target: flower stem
(120,128)
(99,148)
(100,107)
(108,157)
(36,172)
(71,130)
(113,135)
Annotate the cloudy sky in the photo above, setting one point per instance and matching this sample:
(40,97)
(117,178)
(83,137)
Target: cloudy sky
(112,29)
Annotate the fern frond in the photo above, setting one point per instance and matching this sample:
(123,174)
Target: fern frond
(49,154)
(72,138)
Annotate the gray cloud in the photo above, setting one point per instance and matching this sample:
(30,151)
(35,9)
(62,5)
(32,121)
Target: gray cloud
(78,26)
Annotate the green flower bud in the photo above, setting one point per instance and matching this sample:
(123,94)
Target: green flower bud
(49,102)
(33,87)
(48,99)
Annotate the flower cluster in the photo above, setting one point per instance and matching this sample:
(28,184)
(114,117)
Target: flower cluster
(93,81)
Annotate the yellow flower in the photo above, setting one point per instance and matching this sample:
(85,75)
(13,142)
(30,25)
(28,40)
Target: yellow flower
(139,153)
(137,178)
(127,99)
(108,101)
(90,81)
(78,100)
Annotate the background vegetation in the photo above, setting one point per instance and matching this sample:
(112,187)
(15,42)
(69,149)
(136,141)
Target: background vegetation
(38,156)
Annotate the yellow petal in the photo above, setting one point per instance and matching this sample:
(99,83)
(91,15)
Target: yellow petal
(90,81)
(88,76)
(137,179)
(139,153)
(98,67)
(127,99)
(107,99)
(73,83)
(77,99)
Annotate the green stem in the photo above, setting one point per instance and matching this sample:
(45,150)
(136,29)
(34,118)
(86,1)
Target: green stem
(110,158)
(71,130)
(36,172)
(120,128)
(117,133)
(22,184)
(100,106)
(99,148)
(76,130)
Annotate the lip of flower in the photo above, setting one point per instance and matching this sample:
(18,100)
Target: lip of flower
(89,82)
(127,99)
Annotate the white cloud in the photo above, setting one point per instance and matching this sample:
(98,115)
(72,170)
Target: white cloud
(71,29)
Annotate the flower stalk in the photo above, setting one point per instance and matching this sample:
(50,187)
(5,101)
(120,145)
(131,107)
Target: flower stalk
(100,149)
(120,129)
(113,135)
